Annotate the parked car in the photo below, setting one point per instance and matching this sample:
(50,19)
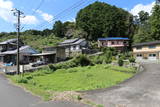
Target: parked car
(38,63)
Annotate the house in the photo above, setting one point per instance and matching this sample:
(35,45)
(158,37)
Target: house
(8,52)
(67,48)
(121,44)
(10,44)
(74,46)
(57,51)
(147,50)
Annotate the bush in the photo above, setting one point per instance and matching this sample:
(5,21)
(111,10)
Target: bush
(120,62)
(132,60)
(22,80)
(79,97)
(52,67)
(97,60)
(29,77)
(82,60)
(106,57)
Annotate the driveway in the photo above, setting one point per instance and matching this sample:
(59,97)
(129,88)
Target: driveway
(143,90)
(12,96)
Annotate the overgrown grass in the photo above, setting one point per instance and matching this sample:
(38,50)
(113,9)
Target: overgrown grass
(45,82)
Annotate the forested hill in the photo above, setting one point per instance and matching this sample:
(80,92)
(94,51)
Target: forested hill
(96,20)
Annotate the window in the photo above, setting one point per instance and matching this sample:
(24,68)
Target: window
(139,48)
(112,43)
(152,47)
(74,47)
(125,42)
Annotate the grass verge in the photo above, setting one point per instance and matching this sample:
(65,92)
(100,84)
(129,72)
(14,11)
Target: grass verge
(46,82)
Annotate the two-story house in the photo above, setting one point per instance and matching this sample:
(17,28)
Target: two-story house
(67,48)
(121,44)
(147,50)
(8,52)
(10,44)
(74,46)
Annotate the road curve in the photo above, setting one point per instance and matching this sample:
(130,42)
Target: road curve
(12,96)
(143,90)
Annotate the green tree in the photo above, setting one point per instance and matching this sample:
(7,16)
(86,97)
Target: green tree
(58,29)
(155,23)
(143,28)
(143,17)
(103,20)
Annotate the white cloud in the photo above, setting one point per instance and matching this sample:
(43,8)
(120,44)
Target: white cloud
(5,13)
(5,10)
(29,20)
(140,7)
(6,4)
(47,17)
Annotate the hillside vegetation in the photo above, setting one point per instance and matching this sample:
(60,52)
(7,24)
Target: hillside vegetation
(94,21)
(36,41)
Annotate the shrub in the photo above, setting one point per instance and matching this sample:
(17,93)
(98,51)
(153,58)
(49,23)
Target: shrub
(120,62)
(22,80)
(97,60)
(79,97)
(52,67)
(132,59)
(82,60)
(29,77)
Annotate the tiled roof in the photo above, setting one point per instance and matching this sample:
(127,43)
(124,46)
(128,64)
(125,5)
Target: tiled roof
(23,49)
(113,38)
(8,41)
(71,42)
(146,43)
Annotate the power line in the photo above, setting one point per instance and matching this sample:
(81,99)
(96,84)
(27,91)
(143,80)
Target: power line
(63,11)
(35,10)
(38,7)
(74,6)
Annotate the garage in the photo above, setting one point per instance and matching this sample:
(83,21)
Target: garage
(152,56)
(139,57)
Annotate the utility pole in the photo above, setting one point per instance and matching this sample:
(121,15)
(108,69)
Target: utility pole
(18,14)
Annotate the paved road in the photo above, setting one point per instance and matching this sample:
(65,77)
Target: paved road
(12,96)
(141,91)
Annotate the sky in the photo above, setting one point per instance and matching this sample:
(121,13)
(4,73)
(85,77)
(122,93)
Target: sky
(41,14)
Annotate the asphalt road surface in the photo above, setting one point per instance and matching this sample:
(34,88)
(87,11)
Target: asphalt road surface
(143,90)
(12,96)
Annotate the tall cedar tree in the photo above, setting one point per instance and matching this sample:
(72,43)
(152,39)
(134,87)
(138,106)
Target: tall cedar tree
(143,33)
(155,23)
